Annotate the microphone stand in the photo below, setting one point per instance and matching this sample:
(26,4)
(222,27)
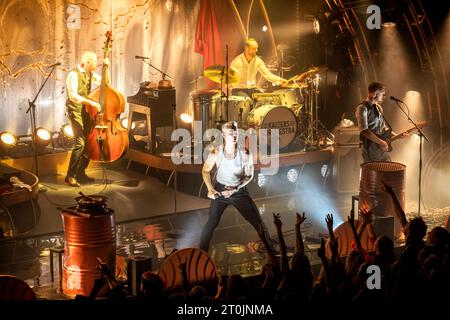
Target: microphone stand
(421,135)
(32,111)
(226,75)
(164,75)
(222,95)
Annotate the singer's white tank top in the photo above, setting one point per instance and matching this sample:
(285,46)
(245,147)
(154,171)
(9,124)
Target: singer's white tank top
(230,172)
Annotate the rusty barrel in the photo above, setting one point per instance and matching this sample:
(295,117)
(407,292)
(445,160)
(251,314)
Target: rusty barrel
(371,195)
(90,233)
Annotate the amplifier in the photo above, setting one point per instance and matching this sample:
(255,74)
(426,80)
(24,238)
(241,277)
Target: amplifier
(347,135)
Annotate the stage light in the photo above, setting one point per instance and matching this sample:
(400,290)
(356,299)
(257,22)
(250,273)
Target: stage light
(388,24)
(292,175)
(124,123)
(413,93)
(316,26)
(67,131)
(264,28)
(42,137)
(8,139)
(169,5)
(186,118)
(324,172)
(262,180)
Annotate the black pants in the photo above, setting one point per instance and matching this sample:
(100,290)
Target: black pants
(242,202)
(78,162)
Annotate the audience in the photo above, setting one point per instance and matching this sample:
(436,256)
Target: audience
(420,273)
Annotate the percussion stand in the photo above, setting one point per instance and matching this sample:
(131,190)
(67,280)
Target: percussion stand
(310,110)
(227,80)
(421,135)
(32,111)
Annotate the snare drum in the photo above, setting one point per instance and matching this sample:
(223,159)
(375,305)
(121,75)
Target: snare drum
(275,117)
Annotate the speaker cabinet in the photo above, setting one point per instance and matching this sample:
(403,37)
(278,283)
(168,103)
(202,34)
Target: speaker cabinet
(347,160)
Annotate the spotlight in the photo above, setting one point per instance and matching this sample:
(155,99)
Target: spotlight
(42,137)
(388,24)
(316,26)
(292,175)
(412,93)
(262,180)
(7,141)
(264,28)
(324,171)
(65,136)
(124,123)
(67,131)
(8,138)
(186,118)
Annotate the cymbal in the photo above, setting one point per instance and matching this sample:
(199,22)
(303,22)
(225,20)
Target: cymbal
(217,73)
(295,85)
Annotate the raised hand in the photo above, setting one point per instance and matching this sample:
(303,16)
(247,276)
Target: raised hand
(277,220)
(261,232)
(366,216)
(334,246)
(351,218)
(321,249)
(268,270)
(329,221)
(300,219)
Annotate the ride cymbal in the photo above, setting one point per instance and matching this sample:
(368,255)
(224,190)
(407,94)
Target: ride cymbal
(217,73)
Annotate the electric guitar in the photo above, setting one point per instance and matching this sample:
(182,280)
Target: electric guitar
(389,140)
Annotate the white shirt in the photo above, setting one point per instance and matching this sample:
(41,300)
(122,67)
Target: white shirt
(72,84)
(247,71)
(232,172)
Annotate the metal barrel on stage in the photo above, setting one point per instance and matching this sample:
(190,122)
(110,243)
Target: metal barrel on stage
(371,195)
(90,233)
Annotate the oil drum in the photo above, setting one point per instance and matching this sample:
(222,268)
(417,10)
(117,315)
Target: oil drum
(371,195)
(90,233)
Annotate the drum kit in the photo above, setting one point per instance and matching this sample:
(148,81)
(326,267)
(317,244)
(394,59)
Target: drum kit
(293,108)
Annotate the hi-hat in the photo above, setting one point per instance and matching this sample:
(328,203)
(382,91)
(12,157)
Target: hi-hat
(217,73)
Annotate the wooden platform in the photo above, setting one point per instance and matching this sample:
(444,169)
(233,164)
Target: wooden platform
(285,160)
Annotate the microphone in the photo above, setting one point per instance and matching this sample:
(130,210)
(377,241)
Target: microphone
(141,57)
(55,65)
(396,99)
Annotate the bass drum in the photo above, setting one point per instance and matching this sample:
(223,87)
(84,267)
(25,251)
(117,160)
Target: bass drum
(275,117)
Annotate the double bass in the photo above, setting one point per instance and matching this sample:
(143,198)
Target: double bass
(106,139)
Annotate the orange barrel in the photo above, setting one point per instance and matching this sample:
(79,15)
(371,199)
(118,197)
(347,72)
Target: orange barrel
(90,233)
(371,195)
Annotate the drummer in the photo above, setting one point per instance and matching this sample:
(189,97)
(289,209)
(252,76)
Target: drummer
(247,65)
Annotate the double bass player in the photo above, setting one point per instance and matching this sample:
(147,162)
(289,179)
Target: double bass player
(78,84)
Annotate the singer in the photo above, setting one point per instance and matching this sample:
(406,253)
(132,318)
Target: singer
(375,131)
(234,165)
(78,85)
(248,64)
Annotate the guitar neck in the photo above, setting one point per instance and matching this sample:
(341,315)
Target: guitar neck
(419,125)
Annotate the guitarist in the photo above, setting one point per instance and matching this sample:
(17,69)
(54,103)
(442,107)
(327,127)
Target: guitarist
(374,130)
